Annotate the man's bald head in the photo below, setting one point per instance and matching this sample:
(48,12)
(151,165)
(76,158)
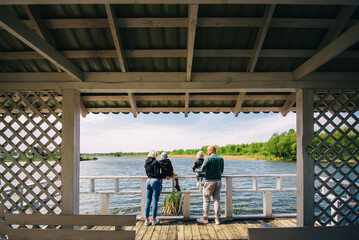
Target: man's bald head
(211,149)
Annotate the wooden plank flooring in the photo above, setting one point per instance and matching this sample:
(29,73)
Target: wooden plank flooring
(175,229)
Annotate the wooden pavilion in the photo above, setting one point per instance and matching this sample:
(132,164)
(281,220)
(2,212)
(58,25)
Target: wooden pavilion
(63,58)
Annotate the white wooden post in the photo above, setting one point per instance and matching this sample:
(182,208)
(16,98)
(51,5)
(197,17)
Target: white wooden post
(255,184)
(70,151)
(186,205)
(229,203)
(143,197)
(305,163)
(279,183)
(92,185)
(116,185)
(267,204)
(104,203)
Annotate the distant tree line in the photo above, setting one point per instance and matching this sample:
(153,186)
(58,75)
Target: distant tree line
(280,146)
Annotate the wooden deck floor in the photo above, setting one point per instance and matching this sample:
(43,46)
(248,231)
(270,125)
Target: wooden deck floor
(234,229)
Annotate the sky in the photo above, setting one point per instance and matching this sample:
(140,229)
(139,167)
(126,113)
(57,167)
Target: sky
(101,133)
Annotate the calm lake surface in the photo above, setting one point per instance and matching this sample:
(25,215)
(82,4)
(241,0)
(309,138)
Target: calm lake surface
(243,203)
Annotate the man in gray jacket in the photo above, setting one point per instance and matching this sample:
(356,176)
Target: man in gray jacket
(212,168)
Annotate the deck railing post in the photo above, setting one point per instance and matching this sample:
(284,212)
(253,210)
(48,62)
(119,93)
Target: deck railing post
(229,203)
(186,205)
(255,184)
(117,185)
(92,185)
(267,204)
(143,197)
(279,183)
(104,203)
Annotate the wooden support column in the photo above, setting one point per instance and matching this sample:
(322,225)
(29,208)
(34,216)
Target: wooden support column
(70,151)
(305,163)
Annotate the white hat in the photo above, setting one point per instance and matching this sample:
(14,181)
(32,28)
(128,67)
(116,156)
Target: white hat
(200,154)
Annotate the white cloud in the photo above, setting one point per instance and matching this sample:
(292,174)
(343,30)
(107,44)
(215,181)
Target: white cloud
(97,136)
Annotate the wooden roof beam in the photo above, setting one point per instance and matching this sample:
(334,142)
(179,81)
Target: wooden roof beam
(30,38)
(39,26)
(338,26)
(288,104)
(83,109)
(116,36)
(240,99)
(268,13)
(300,2)
(191,34)
(183,22)
(175,53)
(186,104)
(339,45)
(132,100)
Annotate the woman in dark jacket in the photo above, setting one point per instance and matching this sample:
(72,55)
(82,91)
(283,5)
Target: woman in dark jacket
(153,185)
(197,165)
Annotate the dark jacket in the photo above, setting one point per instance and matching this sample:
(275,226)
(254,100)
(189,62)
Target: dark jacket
(153,168)
(167,168)
(197,164)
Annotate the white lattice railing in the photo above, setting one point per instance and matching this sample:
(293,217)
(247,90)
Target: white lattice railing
(228,191)
(339,200)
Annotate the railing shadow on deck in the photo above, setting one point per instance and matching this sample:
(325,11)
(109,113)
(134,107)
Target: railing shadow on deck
(228,191)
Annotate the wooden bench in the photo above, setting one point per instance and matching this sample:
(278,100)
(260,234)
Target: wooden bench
(70,226)
(304,233)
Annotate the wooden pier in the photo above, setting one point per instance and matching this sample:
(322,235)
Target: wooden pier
(180,229)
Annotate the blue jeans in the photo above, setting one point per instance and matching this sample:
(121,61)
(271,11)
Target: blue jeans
(154,188)
(200,175)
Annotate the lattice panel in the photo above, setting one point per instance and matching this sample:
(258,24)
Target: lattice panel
(335,153)
(30,151)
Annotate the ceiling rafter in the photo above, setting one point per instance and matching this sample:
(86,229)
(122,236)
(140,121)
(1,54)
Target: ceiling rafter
(83,109)
(41,30)
(339,45)
(30,38)
(183,22)
(240,99)
(288,104)
(301,2)
(191,35)
(186,104)
(268,13)
(132,101)
(111,14)
(175,53)
(338,26)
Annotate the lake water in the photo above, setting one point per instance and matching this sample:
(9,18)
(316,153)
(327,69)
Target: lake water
(243,203)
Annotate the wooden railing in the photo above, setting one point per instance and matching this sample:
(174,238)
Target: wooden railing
(228,190)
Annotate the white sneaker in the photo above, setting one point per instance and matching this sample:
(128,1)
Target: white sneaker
(198,184)
(217,221)
(156,222)
(148,222)
(202,220)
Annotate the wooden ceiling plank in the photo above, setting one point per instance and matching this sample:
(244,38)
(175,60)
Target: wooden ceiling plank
(30,38)
(338,26)
(191,34)
(111,14)
(288,104)
(262,33)
(333,49)
(132,101)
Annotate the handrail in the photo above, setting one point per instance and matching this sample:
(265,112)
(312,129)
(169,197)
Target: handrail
(228,191)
